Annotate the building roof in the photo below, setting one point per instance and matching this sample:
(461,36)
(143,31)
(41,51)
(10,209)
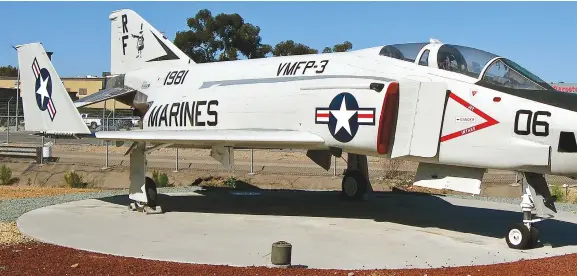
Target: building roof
(62,78)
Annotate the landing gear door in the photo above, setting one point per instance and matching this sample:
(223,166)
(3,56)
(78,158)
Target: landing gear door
(420,118)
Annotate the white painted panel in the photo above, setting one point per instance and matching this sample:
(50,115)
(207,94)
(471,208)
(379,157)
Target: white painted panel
(517,153)
(408,95)
(428,119)
(237,137)
(460,179)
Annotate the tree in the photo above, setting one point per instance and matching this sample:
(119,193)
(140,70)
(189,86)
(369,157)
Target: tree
(343,47)
(8,71)
(219,38)
(227,36)
(290,48)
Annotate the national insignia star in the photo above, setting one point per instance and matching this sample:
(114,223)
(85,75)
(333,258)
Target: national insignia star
(343,116)
(42,91)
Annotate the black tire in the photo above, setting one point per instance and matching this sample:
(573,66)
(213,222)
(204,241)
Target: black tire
(354,185)
(534,237)
(518,236)
(151,193)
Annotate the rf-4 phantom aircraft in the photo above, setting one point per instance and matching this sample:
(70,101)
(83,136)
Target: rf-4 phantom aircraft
(456,110)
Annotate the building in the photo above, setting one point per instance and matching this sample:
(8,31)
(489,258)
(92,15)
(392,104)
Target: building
(77,87)
(565,87)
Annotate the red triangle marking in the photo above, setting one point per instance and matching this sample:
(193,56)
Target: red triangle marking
(490,121)
(474,92)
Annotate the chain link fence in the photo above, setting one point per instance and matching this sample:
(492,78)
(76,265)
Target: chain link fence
(94,152)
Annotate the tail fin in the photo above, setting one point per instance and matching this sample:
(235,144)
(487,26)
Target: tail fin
(47,106)
(136,44)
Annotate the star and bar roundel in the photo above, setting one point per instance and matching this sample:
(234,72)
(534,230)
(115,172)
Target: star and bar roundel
(344,116)
(43,89)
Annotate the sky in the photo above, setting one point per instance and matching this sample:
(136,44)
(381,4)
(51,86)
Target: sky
(540,36)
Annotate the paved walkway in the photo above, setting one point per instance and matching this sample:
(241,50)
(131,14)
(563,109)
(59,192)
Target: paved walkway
(219,227)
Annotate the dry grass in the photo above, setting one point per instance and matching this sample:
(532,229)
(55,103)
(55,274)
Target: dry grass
(16,192)
(10,235)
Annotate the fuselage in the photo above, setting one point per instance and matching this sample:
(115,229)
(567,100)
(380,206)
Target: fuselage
(481,125)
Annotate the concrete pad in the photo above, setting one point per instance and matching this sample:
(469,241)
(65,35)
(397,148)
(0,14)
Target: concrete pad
(392,230)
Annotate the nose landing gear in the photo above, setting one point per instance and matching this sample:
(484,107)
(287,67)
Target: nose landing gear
(536,196)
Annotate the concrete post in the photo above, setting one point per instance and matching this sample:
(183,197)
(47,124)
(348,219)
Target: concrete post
(251,162)
(176,161)
(17,97)
(334,166)
(42,150)
(8,123)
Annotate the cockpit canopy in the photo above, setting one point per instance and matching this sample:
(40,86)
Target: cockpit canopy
(475,63)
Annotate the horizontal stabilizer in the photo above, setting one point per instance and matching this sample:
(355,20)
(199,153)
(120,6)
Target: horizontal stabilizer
(225,137)
(103,95)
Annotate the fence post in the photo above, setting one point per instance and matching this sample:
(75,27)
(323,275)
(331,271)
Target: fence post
(106,165)
(176,161)
(334,166)
(17,97)
(251,162)
(8,124)
(42,151)
(104,127)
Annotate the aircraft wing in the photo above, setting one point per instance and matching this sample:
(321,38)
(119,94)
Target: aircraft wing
(103,95)
(255,138)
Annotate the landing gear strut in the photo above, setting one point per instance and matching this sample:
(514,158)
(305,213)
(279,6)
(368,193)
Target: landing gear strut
(536,196)
(356,184)
(145,195)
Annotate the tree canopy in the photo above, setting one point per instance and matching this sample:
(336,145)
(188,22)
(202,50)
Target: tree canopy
(228,37)
(219,38)
(8,71)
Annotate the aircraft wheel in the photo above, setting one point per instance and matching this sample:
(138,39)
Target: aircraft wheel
(518,236)
(534,237)
(151,193)
(354,185)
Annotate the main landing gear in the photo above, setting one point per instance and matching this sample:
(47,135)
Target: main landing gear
(536,196)
(145,196)
(151,205)
(356,184)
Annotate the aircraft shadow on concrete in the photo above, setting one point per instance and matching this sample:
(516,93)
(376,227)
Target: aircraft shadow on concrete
(406,208)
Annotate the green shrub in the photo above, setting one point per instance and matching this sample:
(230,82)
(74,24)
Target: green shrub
(160,178)
(558,191)
(5,175)
(230,182)
(74,180)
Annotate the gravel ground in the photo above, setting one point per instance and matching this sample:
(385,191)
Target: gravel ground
(9,234)
(20,256)
(15,192)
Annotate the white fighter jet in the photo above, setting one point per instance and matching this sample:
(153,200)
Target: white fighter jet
(456,110)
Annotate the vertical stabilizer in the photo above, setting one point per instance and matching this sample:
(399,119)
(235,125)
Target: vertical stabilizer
(136,44)
(46,104)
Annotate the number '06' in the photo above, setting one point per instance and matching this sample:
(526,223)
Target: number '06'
(525,125)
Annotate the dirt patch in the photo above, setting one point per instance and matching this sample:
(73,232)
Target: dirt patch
(15,192)
(52,175)
(10,235)
(30,259)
